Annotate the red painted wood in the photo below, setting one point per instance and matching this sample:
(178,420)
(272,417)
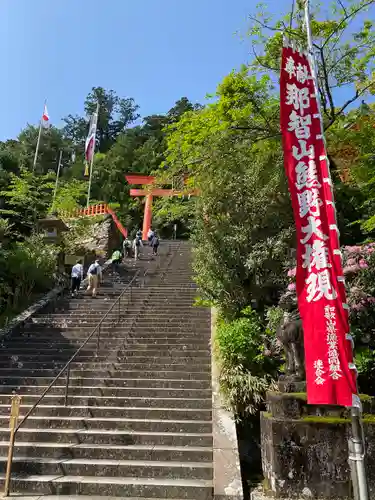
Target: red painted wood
(155,192)
(99,209)
(140,179)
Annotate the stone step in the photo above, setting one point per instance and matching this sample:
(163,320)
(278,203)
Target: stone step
(116,392)
(133,341)
(139,418)
(180,351)
(162,413)
(173,358)
(113,365)
(90,361)
(63,343)
(129,327)
(158,341)
(155,304)
(120,352)
(105,374)
(109,468)
(139,402)
(84,322)
(131,309)
(121,487)
(20,496)
(110,382)
(111,423)
(132,331)
(104,437)
(109,452)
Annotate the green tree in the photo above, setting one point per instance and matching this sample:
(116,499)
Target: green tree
(26,198)
(51,143)
(343,39)
(115,116)
(243,225)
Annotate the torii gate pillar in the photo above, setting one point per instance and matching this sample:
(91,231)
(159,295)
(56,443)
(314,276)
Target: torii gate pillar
(147,218)
(140,179)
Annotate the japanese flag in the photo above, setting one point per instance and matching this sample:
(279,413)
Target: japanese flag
(45,115)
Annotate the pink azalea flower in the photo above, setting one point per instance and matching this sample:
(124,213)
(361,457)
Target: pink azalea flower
(291,287)
(352,249)
(363,264)
(358,307)
(351,262)
(351,269)
(292,272)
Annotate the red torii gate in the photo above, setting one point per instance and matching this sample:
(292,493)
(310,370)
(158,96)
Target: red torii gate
(147,180)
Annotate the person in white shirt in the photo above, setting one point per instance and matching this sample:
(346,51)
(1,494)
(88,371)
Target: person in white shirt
(77,277)
(137,245)
(150,235)
(94,274)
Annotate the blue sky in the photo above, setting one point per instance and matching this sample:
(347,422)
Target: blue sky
(153,50)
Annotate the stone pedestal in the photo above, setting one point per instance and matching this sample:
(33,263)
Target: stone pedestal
(305,448)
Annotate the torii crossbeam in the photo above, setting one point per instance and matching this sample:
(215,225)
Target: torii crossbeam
(149,180)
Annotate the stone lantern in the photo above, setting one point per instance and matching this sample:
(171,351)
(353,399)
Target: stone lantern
(52,228)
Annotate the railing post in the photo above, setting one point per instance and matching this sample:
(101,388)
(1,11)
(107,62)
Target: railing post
(98,339)
(119,308)
(67,380)
(14,413)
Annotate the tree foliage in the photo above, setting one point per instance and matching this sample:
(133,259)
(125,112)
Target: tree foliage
(243,221)
(343,45)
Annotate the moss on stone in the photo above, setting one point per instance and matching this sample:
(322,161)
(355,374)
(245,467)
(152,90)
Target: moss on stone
(365,397)
(267,414)
(369,418)
(288,395)
(298,395)
(325,420)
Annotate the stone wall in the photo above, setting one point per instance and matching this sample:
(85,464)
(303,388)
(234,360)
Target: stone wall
(305,448)
(101,239)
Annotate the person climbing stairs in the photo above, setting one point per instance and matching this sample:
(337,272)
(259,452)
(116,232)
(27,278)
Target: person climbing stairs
(137,419)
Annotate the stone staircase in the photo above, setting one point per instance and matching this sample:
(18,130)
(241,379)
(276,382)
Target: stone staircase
(138,419)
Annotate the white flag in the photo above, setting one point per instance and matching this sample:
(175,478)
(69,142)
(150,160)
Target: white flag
(90,140)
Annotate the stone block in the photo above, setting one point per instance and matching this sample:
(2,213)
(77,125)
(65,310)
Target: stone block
(305,449)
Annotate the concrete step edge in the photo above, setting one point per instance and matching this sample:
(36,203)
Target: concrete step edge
(198,483)
(102,462)
(113,432)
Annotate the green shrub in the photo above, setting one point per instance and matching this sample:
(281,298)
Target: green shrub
(246,372)
(243,392)
(27,268)
(239,341)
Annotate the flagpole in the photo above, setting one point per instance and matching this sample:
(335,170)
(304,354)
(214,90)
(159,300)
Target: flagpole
(356,441)
(38,142)
(57,179)
(37,145)
(90,180)
(92,160)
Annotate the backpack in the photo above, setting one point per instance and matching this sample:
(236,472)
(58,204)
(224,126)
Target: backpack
(155,241)
(94,270)
(137,242)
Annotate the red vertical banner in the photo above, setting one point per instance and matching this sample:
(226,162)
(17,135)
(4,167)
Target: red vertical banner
(330,372)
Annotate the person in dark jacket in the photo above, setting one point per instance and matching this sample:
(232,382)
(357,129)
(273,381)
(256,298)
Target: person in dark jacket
(155,244)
